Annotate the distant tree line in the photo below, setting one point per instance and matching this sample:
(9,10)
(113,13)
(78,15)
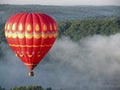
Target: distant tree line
(31,87)
(77,29)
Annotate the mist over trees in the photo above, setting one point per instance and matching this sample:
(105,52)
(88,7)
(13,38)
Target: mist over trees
(76,30)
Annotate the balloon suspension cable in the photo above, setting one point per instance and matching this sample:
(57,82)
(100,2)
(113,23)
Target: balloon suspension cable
(31,73)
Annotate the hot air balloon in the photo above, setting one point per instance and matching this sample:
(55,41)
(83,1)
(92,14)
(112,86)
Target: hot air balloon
(30,36)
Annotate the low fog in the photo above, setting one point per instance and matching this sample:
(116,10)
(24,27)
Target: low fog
(93,63)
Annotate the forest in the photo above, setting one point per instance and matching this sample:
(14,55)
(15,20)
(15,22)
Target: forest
(31,87)
(78,29)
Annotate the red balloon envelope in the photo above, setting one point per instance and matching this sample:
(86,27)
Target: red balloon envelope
(30,35)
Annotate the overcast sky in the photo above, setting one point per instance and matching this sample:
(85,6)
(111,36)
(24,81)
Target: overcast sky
(62,2)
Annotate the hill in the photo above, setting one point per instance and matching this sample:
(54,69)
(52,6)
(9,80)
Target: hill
(60,13)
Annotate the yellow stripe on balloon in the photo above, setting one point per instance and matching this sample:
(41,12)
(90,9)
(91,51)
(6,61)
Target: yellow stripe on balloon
(30,35)
(29,46)
(21,55)
(20,35)
(29,64)
(14,35)
(29,55)
(37,36)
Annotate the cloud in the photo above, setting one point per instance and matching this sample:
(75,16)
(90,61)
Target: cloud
(93,63)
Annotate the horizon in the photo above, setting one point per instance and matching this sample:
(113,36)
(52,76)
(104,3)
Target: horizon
(56,5)
(63,2)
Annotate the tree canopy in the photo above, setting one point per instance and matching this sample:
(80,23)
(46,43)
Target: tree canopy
(77,29)
(31,87)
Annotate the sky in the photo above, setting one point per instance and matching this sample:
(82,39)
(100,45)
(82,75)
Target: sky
(63,2)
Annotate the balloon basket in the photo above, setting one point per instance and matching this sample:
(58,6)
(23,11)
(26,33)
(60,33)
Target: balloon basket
(31,73)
